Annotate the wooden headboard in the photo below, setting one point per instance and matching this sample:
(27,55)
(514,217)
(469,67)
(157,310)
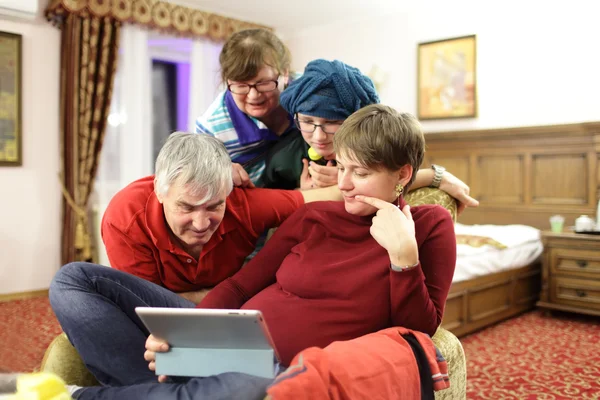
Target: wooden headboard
(524,175)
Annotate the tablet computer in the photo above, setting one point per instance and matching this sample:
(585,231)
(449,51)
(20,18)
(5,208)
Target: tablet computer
(207,342)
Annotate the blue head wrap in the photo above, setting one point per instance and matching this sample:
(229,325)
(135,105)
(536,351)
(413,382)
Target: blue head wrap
(329,89)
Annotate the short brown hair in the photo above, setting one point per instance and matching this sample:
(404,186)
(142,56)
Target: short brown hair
(378,136)
(246,51)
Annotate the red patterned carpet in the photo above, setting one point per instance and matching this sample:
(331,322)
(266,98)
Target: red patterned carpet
(531,357)
(26,327)
(535,357)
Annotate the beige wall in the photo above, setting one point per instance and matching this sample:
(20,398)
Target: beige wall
(535,66)
(30,195)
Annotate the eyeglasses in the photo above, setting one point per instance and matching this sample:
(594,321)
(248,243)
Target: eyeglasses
(261,87)
(309,127)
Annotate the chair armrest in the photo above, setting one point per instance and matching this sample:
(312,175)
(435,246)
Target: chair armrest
(453,352)
(62,359)
(429,195)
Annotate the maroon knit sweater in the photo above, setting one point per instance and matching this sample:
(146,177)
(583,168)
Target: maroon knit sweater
(322,277)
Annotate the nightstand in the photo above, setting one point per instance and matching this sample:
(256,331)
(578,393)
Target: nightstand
(571,272)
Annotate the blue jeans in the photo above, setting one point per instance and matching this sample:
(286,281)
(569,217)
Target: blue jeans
(227,386)
(95,306)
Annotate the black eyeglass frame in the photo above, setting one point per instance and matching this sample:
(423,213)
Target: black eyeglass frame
(315,126)
(255,86)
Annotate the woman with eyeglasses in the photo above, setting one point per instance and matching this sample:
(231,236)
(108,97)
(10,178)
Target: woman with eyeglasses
(247,117)
(320,100)
(259,133)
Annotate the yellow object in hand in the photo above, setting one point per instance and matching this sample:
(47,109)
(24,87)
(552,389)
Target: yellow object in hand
(313,155)
(41,386)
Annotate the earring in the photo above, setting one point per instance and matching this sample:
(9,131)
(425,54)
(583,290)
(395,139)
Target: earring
(398,190)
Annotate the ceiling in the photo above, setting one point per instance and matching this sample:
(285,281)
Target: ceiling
(289,17)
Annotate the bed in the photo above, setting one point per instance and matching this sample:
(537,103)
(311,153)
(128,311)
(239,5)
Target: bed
(521,176)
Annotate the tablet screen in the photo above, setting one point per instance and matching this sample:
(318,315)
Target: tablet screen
(208,328)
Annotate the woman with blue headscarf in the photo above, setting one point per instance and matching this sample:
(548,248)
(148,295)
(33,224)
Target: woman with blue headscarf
(320,100)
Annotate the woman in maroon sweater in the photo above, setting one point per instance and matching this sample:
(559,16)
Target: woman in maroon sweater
(340,270)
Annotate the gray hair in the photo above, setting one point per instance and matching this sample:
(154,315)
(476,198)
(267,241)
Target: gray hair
(195,159)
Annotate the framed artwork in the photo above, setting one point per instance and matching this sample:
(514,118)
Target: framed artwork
(447,84)
(10,100)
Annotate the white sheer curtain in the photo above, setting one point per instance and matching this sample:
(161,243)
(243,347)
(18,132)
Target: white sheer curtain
(127,152)
(205,78)
(127,149)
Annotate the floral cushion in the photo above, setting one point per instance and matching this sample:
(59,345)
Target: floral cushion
(432,196)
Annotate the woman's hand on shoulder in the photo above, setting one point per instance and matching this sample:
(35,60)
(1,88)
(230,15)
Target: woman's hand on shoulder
(240,176)
(394,230)
(153,346)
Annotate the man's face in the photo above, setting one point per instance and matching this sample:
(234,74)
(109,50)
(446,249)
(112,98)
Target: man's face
(192,218)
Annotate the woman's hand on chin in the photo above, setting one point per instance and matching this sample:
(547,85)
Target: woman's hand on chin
(394,230)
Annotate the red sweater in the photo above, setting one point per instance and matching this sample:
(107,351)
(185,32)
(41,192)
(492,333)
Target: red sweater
(137,237)
(322,277)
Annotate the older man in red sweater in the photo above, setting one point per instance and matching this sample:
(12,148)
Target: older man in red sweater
(179,236)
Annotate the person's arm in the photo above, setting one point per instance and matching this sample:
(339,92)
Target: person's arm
(426,286)
(449,184)
(260,272)
(268,208)
(128,255)
(331,193)
(420,277)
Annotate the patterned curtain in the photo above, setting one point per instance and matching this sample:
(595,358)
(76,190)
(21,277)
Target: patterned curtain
(90,42)
(153,14)
(89,52)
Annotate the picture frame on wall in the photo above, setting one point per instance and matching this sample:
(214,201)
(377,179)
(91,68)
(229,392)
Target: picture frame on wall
(447,78)
(10,100)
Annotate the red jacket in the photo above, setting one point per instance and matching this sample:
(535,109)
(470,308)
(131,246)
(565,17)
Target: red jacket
(380,365)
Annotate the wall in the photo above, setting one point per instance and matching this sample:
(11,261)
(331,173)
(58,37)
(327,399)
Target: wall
(534,67)
(30,207)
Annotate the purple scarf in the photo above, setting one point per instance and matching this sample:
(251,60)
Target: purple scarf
(244,126)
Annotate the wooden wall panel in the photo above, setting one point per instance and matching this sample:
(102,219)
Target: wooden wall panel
(560,179)
(500,179)
(524,175)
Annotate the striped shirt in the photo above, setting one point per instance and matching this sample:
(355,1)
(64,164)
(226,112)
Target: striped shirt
(246,138)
